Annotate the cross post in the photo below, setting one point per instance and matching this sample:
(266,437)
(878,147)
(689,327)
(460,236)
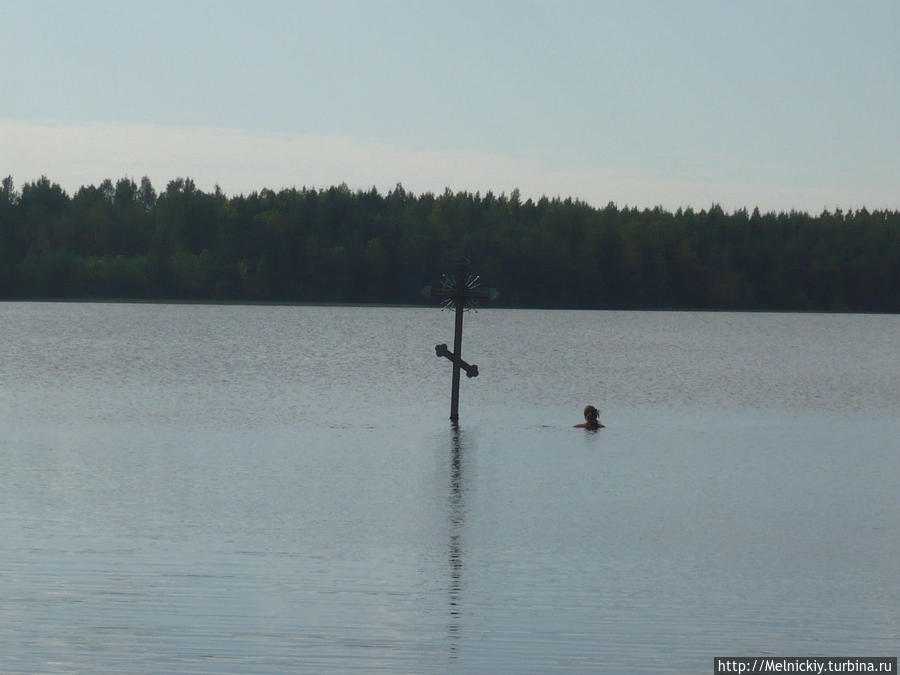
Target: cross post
(462,292)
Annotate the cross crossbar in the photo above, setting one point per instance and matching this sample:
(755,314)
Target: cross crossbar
(471,370)
(465,293)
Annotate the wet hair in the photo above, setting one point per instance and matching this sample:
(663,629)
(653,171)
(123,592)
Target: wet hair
(591,413)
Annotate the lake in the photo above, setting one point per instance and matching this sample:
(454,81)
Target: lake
(262,489)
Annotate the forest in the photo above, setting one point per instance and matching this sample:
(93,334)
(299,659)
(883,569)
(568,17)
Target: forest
(125,240)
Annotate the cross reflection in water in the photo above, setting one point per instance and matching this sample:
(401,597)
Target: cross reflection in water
(455,551)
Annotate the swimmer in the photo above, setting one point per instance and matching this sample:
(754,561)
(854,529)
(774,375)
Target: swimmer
(591,419)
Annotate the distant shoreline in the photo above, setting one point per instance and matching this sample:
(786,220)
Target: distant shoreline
(285,303)
(126,241)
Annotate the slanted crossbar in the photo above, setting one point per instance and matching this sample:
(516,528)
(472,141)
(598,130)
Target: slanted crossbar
(471,370)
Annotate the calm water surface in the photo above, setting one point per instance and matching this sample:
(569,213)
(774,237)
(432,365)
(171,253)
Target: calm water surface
(227,489)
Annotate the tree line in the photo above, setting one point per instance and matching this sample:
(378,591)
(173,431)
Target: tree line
(124,240)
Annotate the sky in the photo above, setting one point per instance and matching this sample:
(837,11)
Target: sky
(780,105)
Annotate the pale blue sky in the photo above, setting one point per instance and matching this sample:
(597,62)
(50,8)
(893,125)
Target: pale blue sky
(680,103)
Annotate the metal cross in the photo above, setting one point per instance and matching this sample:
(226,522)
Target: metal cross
(460,293)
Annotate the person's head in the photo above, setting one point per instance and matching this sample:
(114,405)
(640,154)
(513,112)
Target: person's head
(591,413)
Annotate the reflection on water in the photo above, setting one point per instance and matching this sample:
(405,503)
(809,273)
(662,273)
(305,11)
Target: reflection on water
(457,521)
